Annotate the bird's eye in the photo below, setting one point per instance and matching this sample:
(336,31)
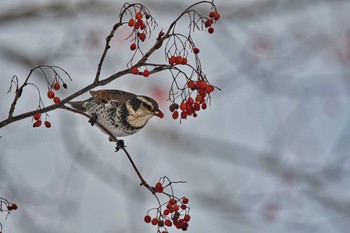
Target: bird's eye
(146,105)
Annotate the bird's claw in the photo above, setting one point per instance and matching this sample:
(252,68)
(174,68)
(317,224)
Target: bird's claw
(93,119)
(120,145)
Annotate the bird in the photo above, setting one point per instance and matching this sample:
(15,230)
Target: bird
(121,113)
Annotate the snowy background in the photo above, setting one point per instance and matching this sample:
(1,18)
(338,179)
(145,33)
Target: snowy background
(269,155)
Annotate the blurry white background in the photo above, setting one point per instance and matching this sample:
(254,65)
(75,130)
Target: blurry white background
(269,155)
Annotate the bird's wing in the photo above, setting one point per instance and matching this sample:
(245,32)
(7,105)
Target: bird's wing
(108,96)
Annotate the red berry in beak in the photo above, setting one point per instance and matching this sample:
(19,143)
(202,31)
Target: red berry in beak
(159,114)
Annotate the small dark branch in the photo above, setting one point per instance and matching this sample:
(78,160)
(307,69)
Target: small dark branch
(17,96)
(142,180)
(172,26)
(107,46)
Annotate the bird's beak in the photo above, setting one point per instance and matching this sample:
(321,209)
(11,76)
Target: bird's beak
(158,113)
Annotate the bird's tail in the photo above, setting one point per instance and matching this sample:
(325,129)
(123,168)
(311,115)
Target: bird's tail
(80,105)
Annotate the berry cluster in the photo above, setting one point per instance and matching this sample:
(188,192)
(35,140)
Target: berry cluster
(195,95)
(9,206)
(12,206)
(174,212)
(38,122)
(139,27)
(214,16)
(55,86)
(140,31)
(177,60)
(135,70)
(51,94)
(190,106)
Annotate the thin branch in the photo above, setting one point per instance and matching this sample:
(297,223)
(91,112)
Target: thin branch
(107,46)
(142,180)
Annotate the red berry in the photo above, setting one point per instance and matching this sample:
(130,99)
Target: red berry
(198,98)
(172,107)
(196,106)
(56,86)
(212,88)
(172,60)
(168,223)
(9,207)
(216,16)
(131,22)
(172,201)
(185,200)
(208,89)
(184,61)
(183,114)
(201,84)
(175,115)
(190,100)
(212,14)
(147,219)
(166,212)
(134,70)
(183,106)
(133,46)
(142,36)
(154,221)
(50,94)
(137,26)
(183,206)
(187,217)
(14,206)
(204,106)
(188,108)
(56,100)
(37,123)
(146,73)
(202,93)
(191,84)
(138,15)
(178,60)
(159,187)
(189,111)
(178,225)
(47,124)
(37,116)
(208,23)
(211,30)
(140,21)
(143,26)
(195,50)
(169,206)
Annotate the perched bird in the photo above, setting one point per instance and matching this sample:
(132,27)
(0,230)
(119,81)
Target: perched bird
(122,113)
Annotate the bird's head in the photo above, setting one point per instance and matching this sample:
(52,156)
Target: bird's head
(141,109)
(150,106)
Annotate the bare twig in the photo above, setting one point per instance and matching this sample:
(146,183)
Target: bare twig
(142,180)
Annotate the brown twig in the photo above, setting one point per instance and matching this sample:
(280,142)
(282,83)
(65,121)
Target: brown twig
(142,180)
